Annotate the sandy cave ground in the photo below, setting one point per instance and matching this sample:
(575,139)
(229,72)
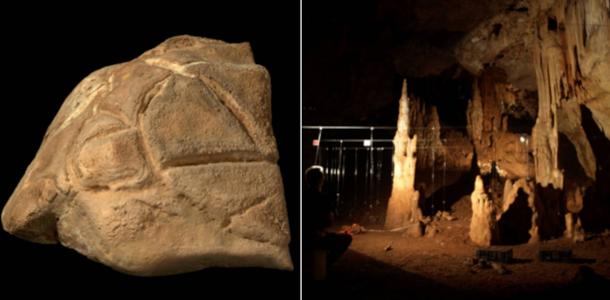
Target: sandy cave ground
(438,267)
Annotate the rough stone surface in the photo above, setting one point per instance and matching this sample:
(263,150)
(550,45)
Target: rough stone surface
(572,61)
(403,207)
(487,117)
(443,154)
(564,47)
(574,230)
(503,41)
(162,165)
(483,223)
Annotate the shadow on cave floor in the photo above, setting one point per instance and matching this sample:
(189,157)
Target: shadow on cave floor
(358,276)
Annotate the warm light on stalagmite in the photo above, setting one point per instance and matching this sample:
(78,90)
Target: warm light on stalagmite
(403,204)
(483,223)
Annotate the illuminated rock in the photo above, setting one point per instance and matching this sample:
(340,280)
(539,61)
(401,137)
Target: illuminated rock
(574,230)
(572,61)
(483,223)
(487,126)
(162,165)
(574,199)
(561,49)
(403,207)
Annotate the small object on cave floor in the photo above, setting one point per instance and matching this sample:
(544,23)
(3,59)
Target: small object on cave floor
(388,247)
(431,231)
(345,229)
(448,216)
(357,229)
(353,229)
(480,264)
(563,255)
(499,268)
(504,256)
(469,261)
(438,215)
(426,220)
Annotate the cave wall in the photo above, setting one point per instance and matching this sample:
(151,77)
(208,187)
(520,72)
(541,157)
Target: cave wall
(444,154)
(488,127)
(564,48)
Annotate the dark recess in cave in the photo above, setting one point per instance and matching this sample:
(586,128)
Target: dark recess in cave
(554,210)
(451,193)
(451,98)
(515,222)
(513,7)
(496,29)
(568,161)
(523,124)
(552,24)
(596,210)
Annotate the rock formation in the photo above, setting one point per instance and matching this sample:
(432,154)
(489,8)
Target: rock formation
(499,221)
(444,154)
(572,61)
(403,206)
(533,75)
(161,165)
(510,196)
(483,222)
(564,47)
(488,117)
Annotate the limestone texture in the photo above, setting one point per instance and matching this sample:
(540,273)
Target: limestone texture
(483,223)
(403,207)
(162,165)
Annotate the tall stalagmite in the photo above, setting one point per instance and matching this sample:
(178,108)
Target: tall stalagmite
(403,204)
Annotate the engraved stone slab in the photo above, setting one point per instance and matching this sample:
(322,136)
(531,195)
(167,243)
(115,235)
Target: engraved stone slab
(162,165)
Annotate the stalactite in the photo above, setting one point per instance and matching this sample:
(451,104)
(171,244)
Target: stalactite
(572,65)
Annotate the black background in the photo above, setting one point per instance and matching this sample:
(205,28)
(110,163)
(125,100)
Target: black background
(47,50)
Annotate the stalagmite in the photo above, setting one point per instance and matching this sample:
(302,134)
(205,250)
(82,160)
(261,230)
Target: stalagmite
(403,204)
(574,230)
(565,46)
(483,223)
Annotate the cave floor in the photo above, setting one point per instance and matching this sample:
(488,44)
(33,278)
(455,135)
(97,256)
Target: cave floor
(435,267)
